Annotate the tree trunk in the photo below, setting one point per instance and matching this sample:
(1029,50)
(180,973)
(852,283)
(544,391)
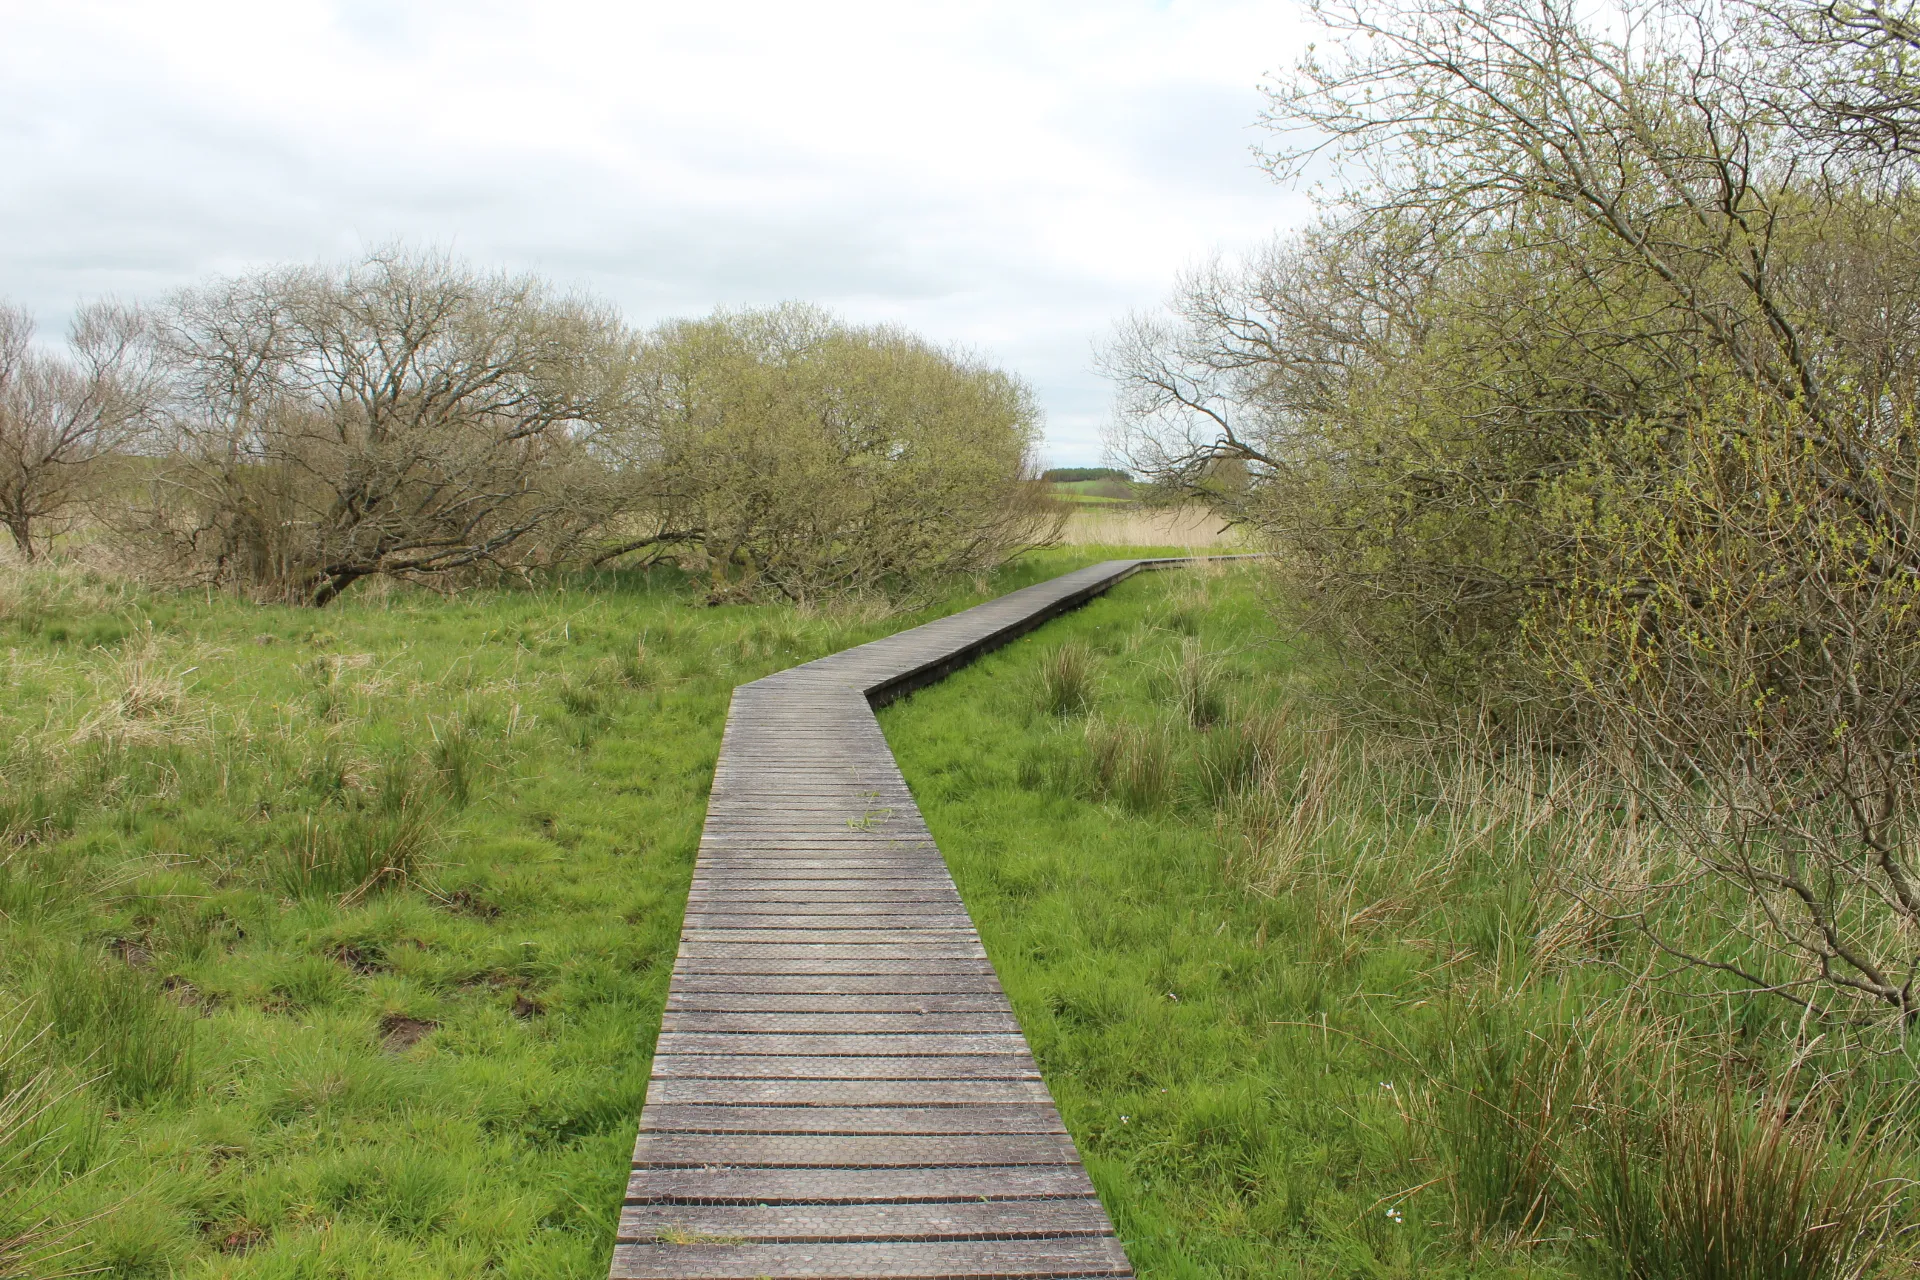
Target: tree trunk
(332,584)
(21,527)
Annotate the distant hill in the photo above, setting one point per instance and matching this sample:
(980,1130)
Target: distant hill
(1075,475)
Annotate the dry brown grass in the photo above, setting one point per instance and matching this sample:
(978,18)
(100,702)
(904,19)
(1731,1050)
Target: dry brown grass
(1193,527)
(140,696)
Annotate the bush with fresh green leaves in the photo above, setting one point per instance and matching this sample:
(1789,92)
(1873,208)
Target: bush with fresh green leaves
(790,456)
(1589,408)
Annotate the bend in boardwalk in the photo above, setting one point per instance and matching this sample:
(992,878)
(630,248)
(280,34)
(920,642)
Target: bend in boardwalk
(840,1088)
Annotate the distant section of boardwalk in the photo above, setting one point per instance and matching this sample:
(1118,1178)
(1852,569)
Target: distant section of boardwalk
(840,1088)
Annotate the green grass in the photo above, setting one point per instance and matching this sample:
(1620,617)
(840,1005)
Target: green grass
(1094,493)
(333,943)
(1310,1002)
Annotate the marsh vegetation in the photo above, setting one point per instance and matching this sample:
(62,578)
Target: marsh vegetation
(332,942)
(1585,418)
(1319,996)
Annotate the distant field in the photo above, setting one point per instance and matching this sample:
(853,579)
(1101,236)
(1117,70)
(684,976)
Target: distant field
(1108,512)
(1094,492)
(1122,524)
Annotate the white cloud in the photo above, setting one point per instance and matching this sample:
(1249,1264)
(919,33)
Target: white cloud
(1009,176)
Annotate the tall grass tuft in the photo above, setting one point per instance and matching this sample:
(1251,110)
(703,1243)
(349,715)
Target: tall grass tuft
(1597,1129)
(638,669)
(31,1240)
(117,1022)
(1506,1119)
(582,698)
(588,706)
(1130,763)
(1722,1191)
(456,757)
(1308,806)
(140,698)
(1198,683)
(353,853)
(1067,678)
(1244,753)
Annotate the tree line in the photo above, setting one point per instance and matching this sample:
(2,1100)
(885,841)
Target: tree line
(295,430)
(1586,410)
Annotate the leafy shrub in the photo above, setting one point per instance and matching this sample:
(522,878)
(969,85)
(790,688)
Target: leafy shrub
(404,415)
(786,455)
(1546,446)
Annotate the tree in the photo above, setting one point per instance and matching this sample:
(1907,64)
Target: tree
(60,415)
(1590,404)
(404,416)
(1559,225)
(1732,640)
(788,454)
(1847,76)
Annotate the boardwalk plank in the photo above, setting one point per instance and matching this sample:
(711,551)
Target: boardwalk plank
(722,1004)
(834,933)
(663,1117)
(870,1044)
(907,1260)
(668,1090)
(858,1186)
(1006,1066)
(826,966)
(698,948)
(927,922)
(653,1150)
(952,1220)
(902,984)
(912,1022)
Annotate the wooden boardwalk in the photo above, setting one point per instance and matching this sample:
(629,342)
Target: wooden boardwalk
(840,1088)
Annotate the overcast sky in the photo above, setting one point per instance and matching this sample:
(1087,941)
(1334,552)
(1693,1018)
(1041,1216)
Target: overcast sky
(1009,176)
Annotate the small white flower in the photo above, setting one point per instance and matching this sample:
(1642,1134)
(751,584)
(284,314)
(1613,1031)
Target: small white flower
(1394,1215)
(1387,1085)
(1123,1119)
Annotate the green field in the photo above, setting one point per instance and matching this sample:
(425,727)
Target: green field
(1312,1003)
(1169,1008)
(333,943)
(1094,493)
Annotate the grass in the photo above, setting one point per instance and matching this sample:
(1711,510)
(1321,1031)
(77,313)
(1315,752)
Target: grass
(1127,526)
(1094,493)
(1066,680)
(333,943)
(1312,1001)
